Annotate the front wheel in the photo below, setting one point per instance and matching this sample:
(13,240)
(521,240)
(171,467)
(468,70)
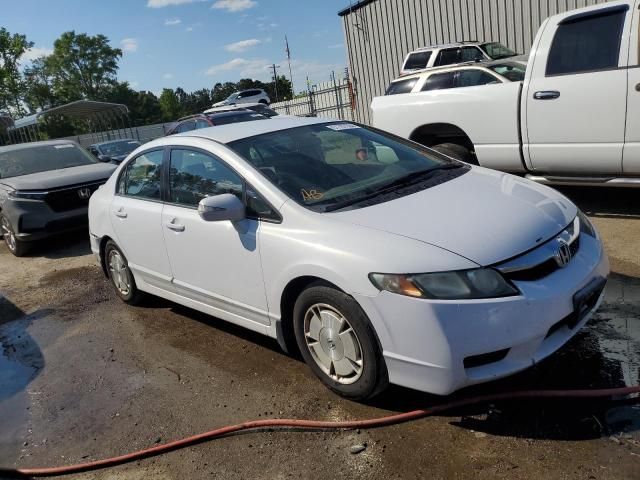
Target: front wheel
(338,343)
(15,246)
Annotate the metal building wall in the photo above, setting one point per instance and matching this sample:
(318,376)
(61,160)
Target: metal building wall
(379,33)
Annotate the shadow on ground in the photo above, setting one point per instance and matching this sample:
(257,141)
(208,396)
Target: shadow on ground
(605,202)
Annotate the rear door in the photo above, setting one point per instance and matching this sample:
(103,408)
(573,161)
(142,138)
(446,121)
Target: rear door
(577,94)
(631,153)
(136,212)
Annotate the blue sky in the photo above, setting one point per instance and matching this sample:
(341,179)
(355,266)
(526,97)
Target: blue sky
(194,43)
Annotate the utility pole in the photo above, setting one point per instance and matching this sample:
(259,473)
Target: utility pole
(275,79)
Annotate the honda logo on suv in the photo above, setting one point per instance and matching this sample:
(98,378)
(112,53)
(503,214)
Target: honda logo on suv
(84,193)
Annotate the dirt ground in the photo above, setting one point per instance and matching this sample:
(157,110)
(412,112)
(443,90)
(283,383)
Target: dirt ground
(83,376)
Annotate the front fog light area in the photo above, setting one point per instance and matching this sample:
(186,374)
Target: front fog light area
(457,285)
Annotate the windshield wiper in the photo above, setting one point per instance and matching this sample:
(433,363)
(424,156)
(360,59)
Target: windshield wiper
(405,180)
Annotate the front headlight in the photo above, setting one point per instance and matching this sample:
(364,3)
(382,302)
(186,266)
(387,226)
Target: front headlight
(17,194)
(586,226)
(456,285)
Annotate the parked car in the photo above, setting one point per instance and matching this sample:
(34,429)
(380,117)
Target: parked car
(574,119)
(452,53)
(458,76)
(114,150)
(380,260)
(196,122)
(256,107)
(45,189)
(253,95)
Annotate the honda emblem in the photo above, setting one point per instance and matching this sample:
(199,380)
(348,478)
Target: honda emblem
(84,193)
(563,254)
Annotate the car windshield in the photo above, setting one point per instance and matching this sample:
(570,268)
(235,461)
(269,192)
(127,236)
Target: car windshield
(236,117)
(118,148)
(327,166)
(511,71)
(233,96)
(497,51)
(25,161)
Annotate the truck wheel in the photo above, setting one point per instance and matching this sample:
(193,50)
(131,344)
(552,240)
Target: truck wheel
(456,151)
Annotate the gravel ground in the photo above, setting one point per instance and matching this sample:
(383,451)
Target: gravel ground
(83,376)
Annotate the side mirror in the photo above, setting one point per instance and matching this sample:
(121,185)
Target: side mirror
(221,207)
(104,158)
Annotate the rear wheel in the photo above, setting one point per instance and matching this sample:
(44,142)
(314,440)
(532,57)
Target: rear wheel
(120,275)
(263,101)
(338,343)
(15,246)
(456,151)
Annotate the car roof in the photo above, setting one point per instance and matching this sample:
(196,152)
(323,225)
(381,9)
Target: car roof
(233,113)
(47,143)
(237,131)
(446,45)
(100,144)
(238,106)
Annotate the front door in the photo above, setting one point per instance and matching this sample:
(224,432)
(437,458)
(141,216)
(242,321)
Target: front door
(217,263)
(136,214)
(575,102)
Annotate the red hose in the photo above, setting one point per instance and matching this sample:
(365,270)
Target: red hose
(314,425)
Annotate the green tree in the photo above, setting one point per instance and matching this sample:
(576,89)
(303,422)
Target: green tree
(169,105)
(82,66)
(12,85)
(38,93)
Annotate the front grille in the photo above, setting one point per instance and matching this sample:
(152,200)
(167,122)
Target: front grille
(543,269)
(69,198)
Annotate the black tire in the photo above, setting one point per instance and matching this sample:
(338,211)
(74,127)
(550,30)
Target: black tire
(15,246)
(263,101)
(456,151)
(372,378)
(132,296)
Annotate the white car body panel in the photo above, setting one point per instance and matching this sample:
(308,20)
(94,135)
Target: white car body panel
(239,271)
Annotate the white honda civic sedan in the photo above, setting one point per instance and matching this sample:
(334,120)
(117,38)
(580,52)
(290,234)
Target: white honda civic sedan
(380,260)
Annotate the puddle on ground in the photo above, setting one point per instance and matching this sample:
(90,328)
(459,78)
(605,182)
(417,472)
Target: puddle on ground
(20,361)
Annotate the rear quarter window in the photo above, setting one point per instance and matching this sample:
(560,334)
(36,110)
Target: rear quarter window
(417,60)
(401,86)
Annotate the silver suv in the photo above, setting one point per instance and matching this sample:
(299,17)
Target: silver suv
(452,53)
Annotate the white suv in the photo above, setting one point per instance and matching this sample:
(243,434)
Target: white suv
(449,54)
(254,95)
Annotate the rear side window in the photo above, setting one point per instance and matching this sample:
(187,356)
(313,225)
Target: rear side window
(417,61)
(586,44)
(141,177)
(439,81)
(403,86)
(186,127)
(202,124)
(470,54)
(447,56)
(473,77)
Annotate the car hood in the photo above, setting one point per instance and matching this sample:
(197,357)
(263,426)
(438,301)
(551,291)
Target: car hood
(484,215)
(60,178)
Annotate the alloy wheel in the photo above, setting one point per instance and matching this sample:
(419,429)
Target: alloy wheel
(119,273)
(333,343)
(9,236)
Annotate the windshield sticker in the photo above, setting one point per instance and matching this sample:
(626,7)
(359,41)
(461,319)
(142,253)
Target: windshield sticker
(67,145)
(313,194)
(342,126)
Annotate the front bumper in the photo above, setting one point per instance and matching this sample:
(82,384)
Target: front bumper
(425,342)
(35,220)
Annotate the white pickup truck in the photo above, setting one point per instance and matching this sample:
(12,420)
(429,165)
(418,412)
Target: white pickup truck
(574,119)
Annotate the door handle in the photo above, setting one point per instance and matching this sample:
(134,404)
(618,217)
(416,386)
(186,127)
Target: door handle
(637,87)
(120,213)
(176,227)
(546,95)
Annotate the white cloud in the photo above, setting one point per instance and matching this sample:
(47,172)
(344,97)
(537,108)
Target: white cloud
(189,29)
(337,45)
(129,44)
(242,45)
(172,21)
(166,3)
(255,67)
(36,52)
(167,76)
(134,84)
(233,5)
